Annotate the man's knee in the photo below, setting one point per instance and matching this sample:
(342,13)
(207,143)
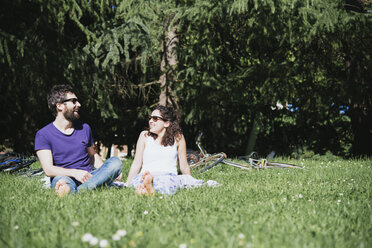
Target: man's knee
(116,164)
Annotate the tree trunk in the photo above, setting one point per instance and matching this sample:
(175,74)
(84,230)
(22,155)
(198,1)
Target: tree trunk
(168,64)
(359,109)
(361,122)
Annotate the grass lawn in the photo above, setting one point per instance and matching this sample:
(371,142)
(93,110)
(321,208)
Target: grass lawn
(326,205)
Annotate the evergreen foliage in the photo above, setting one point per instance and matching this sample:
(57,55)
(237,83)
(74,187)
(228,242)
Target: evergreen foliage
(239,62)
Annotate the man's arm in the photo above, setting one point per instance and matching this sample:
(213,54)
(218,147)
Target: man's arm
(50,170)
(95,158)
(97,161)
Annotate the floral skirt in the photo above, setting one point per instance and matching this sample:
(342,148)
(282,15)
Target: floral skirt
(168,183)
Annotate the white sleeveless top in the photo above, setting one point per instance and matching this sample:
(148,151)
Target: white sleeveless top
(158,159)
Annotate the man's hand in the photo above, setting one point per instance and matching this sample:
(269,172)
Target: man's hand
(81,175)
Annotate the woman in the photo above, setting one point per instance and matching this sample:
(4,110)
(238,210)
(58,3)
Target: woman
(158,149)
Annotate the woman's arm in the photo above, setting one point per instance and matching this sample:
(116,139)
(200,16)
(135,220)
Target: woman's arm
(138,157)
(182,157)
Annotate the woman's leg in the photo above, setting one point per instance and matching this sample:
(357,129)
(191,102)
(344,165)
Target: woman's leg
(166,184)
(148,187)
(141,190)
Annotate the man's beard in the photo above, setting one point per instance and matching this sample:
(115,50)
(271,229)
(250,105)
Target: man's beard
(71,115)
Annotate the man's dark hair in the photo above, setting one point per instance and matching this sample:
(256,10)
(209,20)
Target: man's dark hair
(57,95)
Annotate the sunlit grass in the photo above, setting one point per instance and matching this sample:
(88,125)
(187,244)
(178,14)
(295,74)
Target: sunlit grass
(326,205)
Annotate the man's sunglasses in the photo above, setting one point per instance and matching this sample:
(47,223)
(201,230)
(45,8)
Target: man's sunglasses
(73,100)
(156,118)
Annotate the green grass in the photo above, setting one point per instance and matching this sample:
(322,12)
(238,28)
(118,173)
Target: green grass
(326,205)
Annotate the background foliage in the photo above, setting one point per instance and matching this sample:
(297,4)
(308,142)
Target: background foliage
(284,75)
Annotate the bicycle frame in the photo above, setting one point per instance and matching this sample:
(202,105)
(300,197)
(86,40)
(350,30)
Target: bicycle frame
(200,147)
(221,157)
(205,157)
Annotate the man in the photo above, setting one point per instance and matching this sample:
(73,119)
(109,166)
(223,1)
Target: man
(65,148)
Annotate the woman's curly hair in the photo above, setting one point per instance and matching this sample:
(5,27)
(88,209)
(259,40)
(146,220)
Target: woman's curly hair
(174,130)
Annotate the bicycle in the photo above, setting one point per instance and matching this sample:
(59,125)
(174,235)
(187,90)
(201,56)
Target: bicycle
(202,158)
(206,160)
(12,162)
(197,159)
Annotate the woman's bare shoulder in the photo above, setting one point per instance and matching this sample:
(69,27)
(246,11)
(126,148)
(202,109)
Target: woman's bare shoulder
(180,138)
(144,134)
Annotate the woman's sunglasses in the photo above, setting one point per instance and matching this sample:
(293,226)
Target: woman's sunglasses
(156,118)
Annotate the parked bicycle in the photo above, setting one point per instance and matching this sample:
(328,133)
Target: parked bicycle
(12,162)
(204,160)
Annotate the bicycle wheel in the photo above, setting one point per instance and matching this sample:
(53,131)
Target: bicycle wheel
(9,162)
(31,172)
(19,166)
(282,165)
(212,165)
(244,166)
(207,159)
(192,156)
(253,155)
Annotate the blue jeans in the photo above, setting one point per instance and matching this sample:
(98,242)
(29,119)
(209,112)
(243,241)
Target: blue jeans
(104,175)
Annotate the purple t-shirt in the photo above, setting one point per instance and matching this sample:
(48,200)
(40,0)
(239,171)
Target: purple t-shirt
(69,151)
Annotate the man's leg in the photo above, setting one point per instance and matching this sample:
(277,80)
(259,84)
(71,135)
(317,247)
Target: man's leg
(104,175)
(63,185)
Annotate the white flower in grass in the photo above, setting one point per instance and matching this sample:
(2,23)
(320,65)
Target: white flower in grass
(93,241)
(103,243)
(16,227)
(87,237)
(146,212)
(241,236)
(183,246)
(339,201)
(160,197)
(75,223)
(341,194)
(121,232)
(300,196)
(116,237)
